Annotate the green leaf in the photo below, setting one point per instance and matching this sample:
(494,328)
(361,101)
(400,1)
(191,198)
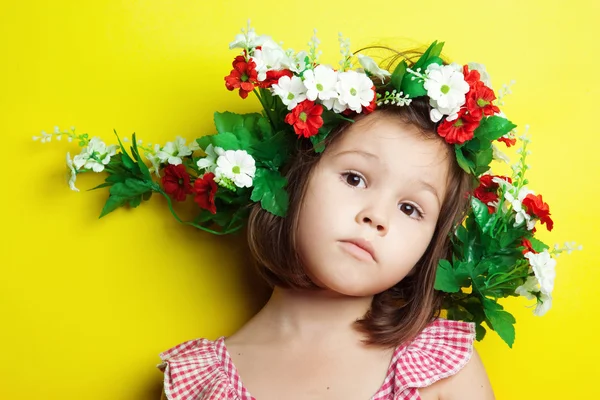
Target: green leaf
(127,161)
(229,122)
(269,190)
(493,127)
(141,164)
(265,128)
(445,279)
(483,159)
(413,87)
(398,75)
(479,332)
(480,211)
(538,245)
(467,165)
(274,151)
(501,321)
(124,192)
(426,54)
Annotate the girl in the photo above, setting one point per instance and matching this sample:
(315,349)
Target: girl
(353,265)
(370,210)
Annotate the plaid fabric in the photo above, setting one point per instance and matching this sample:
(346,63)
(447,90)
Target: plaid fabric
(202,369)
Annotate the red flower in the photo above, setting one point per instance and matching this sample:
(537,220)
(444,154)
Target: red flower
(508,141)
(243,76)
(527,244)
(306,118)
(176,182)
(273,77)
(487,191)
(473,78)
(479,101)
(537,208)
(460,130)
(371,107)
(204,190)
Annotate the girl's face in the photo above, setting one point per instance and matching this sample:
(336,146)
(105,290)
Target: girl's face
(371,206)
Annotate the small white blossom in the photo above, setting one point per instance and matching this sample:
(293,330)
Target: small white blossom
(446,88)
(291,91)
(270,57)
(528,289)
(335,105)
(298,64)
(248,40)
(71,173)
(372,68)
(355,90)
(172,152)
(543,266)
(320,83)
(95,156)
(543,305)
(499,155)
(154,160)
(210,161)
(483,74)
(237,166)
(516,203)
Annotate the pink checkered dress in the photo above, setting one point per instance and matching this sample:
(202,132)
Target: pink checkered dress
(202,369)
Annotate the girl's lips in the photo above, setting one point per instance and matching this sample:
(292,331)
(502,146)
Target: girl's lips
(359,248)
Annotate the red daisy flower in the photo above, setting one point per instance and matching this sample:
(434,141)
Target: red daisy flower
(487,191)
(204,190)
(176,182)
(459,130)
(479,101)
(306,118)
(473,77)
(371,107)
(536,207)
(243,76)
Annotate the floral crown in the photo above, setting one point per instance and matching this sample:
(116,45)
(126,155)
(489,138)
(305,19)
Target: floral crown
(494,251)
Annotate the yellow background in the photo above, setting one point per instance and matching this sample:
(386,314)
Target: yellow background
(87,304)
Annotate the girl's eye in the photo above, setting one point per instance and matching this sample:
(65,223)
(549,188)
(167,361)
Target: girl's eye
(411,210)
(353,179)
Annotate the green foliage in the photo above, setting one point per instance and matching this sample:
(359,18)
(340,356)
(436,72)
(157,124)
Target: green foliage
(269,189)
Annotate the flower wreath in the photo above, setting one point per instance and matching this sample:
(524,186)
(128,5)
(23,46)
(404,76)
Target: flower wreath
(495,252)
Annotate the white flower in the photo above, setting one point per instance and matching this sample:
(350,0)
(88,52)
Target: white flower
(95,156)
(437,112)
(248,40)
(153,158)
(527,289)
(172,152)
(543,305)
(270,57)
(210,161)
(320,83)
(335,105)
(516,203)
(237,166)
(483,74)
(543,266)
(372,68)
(72,173)
(298,61)
(291,91)
(446,87)
(355,90)
(499,155)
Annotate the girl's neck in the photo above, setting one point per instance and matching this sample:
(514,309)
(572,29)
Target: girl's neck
(307,315)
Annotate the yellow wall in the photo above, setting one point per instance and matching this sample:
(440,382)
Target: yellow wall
(87,304)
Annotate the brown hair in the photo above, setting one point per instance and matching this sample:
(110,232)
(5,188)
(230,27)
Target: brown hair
(399,313)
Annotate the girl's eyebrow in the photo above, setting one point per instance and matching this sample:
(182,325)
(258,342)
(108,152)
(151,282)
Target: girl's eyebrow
(359,152)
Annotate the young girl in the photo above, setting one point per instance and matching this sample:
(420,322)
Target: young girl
(353,264)
(370,210)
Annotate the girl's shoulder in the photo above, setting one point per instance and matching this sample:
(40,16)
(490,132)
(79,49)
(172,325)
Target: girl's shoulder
(197,369)
(441,350)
